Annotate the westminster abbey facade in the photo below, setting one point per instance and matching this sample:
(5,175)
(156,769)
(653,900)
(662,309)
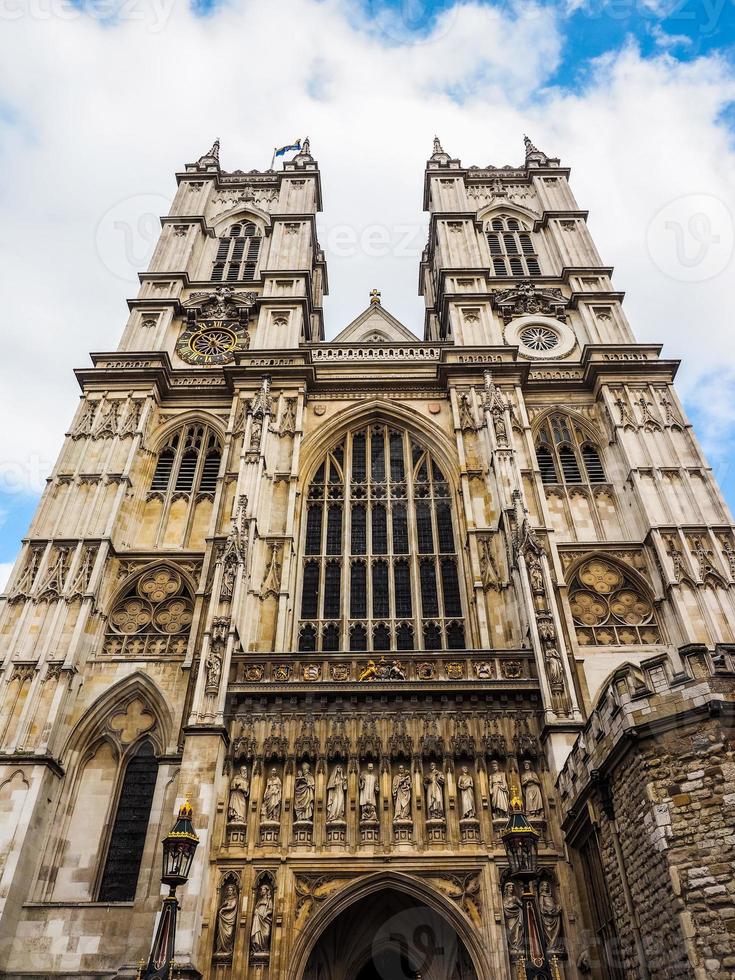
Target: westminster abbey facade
(359,599)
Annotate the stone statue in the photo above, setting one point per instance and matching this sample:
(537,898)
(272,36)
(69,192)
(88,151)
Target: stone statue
(554,669)
(336,796)
(304,794)
(434,783)
(550,916)
(368,793)
(532,798)
(499,796)
(513,912)
(270,808)
(226,920)
(536,573)
(237,806)
(214,672)
(466,787)
(401,791)
(260,933)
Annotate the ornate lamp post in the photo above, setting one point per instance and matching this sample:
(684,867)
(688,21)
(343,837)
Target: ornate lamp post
(521,841)
(179,846)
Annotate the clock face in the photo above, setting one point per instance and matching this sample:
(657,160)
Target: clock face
(213,342)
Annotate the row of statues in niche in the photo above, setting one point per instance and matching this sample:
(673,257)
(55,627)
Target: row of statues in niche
(336,794)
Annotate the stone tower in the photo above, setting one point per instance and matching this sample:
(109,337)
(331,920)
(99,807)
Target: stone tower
(355,599)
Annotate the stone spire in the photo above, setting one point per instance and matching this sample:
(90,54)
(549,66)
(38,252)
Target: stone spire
(438,155)
(209,160)
(533,154)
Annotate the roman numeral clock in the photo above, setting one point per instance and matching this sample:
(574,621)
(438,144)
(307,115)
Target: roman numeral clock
(216,326)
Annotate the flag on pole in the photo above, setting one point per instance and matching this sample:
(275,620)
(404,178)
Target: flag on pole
(281,151)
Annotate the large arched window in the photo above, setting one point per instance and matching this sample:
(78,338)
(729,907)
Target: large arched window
(152,617)
(565,454)
(127,839)
(380,568)
(237,254)
(511,248)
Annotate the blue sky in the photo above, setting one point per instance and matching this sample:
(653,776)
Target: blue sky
(103,101)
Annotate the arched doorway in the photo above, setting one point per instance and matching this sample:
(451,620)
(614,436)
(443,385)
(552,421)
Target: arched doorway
(389,934)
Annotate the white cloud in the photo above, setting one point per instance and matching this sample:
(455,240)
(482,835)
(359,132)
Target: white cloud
(5,569)
(102,116)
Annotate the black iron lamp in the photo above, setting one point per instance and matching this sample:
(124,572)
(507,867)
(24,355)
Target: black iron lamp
(179,846)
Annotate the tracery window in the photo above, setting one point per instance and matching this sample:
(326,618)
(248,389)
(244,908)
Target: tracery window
(152,618)
(565,454)
(127,840)
(511,248)
(380,568)
(237,254)
(609,607)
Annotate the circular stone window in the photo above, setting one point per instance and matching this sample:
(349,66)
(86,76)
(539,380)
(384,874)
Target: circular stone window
(540,337)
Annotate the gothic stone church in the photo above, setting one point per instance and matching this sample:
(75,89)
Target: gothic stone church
(356,599)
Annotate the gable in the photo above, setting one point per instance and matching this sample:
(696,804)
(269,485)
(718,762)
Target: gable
(375,326)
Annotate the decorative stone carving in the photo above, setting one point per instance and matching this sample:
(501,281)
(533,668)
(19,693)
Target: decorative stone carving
(484,670)
(304,795)
(272,578)
(260,931)
(288,417)
(513,914)
(499,795)
(434,783)
(531,785)
(224,942)
(526,298)
(237,804)
(466,421)
(368,794)
(466,787)
(550,917)
(336,796)
(270,808)
(401,793)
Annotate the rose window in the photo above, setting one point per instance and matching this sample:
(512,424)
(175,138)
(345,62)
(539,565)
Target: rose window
(609,608)
(152,618)
(539,338)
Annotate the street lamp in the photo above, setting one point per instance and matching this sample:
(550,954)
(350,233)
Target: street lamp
(179,846)
(521,842)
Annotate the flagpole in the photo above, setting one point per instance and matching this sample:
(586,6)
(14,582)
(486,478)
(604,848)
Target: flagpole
(273,158)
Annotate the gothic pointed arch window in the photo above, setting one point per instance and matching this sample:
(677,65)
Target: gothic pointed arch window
(610,606)
(183,486)
(380,568)
(566,454)
(130,826)
(152,618)
(512,249)
(238,252)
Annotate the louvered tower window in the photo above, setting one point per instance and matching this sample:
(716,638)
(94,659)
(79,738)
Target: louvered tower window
(189,462)
(127,839)
(380,568)
(237,254)
(511,248)
(565,454)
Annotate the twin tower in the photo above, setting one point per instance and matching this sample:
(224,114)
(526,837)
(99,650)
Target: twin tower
(363,600)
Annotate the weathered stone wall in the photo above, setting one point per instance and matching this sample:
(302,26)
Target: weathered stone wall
(662,768)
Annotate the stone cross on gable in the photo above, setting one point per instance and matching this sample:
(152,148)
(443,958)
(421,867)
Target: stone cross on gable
(375,297)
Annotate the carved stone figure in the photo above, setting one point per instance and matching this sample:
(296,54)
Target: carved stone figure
(513,912)
(237,805)
(288,417)
(535,573)
(336,796)
(550,916)
(214,672)
(226,920)
(554,669)
(304,794)
(531,784)
(465,413)
(401,792)
(270,808)
(466,787)
(499,796)
(260,933)
(368,794)
(434,783)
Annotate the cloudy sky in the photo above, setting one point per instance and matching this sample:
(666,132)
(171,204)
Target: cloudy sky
(101,102)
